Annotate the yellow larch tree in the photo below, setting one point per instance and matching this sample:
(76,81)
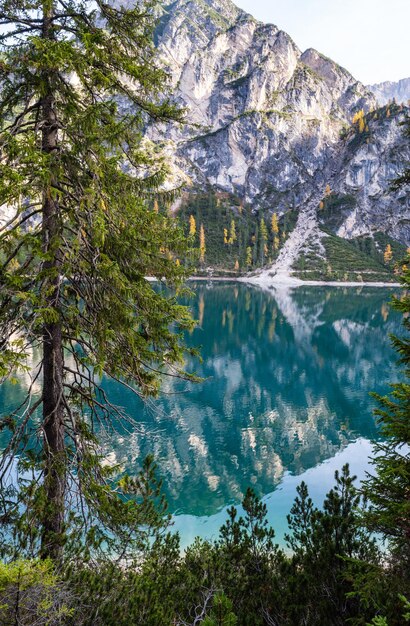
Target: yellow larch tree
(274,224)
(357,116)
(263,233)
(232,237)
(192,225)
(388,254)
(202,247)
(358,119)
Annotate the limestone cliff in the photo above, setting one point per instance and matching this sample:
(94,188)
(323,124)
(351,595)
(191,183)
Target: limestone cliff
(273,125)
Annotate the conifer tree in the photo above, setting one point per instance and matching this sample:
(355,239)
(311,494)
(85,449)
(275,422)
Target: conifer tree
(202,246)
(388,254)
(221,613)
(358,119)
(79,81)
(274,225)
(324,542)
(192,225)
(389,489)
(263,233)
(232,237)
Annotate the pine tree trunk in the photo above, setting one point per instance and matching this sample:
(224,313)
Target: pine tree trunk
(53,407)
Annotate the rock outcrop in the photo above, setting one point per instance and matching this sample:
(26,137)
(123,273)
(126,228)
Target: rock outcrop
(273,125)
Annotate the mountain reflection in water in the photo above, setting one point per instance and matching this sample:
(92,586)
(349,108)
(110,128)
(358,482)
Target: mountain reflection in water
(287,381)
(288,375)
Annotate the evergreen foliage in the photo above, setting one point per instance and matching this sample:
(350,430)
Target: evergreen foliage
(388,489)
(231,229)
(32,594)
(357,260)
(324,543)
(79,80)
(332,576)
(221,614)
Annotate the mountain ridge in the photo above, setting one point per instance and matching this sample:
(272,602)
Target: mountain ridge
(273,125)
(389,90)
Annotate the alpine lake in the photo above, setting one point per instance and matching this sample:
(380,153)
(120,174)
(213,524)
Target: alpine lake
(287,375)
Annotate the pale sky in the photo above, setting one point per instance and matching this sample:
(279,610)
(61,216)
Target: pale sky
(370,38)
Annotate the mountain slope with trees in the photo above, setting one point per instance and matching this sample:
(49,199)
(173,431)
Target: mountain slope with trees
(275,127)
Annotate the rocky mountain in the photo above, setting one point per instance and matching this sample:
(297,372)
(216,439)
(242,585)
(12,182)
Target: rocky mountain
(386,91)
(272,125)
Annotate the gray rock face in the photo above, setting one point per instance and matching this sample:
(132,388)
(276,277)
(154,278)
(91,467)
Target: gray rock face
(388,90)
(266,120)
(367,172)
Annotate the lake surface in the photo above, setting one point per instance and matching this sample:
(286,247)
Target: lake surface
(285,398)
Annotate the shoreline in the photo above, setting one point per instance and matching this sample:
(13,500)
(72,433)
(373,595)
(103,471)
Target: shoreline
(290,282)
(286,282)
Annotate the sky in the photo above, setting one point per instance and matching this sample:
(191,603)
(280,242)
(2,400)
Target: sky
(370,38)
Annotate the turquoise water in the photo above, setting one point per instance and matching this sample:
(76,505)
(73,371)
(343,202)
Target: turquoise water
(285,398)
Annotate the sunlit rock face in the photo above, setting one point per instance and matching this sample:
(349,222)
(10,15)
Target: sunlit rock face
(367,173)
(266,118)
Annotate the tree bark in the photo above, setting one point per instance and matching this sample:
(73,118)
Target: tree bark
(52,358)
